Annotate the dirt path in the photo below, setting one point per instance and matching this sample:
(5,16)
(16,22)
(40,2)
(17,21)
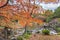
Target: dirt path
(45,37)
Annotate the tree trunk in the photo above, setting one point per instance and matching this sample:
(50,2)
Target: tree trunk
(25,29)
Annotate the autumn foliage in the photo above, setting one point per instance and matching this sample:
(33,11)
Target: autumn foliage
(21,11)
(3,2)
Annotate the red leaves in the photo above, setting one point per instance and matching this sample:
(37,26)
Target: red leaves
(3,2)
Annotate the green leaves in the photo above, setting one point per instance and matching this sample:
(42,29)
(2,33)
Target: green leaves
(20,38)
(57,13)
(48,19)
(45,32)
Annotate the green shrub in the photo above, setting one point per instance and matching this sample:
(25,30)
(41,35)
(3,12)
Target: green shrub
(29,32)
(26,36)
(46,32)
(20,38)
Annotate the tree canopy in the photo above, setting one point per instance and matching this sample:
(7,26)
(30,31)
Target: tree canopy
(57,12)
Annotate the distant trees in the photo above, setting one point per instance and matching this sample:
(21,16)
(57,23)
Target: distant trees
(57,13)
(49,15)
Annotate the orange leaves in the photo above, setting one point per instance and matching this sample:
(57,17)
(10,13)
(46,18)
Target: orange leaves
(50,0)
(24,18)
(46,1)
(38,21)
(26,14)
(5,13)
(3,2)
(22,23)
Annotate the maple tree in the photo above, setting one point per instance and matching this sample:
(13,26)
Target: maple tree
(20,10)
